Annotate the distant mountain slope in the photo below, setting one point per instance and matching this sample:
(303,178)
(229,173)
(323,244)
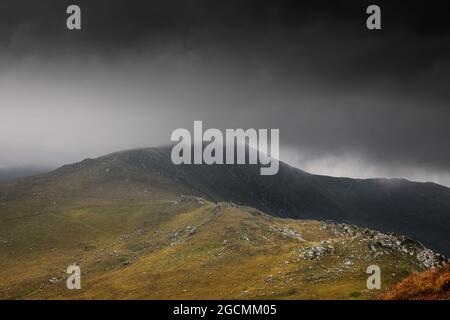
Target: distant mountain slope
(419,210)
(8,174)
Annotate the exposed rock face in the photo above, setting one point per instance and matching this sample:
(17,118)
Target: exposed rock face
(430,259)
(316,252)
(382,243)
(288,233)
(183,198)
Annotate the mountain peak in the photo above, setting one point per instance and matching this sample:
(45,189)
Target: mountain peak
(419,210)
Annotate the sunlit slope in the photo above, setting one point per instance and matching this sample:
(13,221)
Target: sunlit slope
(187,247)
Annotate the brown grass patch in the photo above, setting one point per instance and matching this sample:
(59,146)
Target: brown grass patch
(430,285)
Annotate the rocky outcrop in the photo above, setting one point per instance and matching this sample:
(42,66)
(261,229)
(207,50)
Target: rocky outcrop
(385,243)
(288,233)
(316,252)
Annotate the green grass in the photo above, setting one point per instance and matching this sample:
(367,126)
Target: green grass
(102,235)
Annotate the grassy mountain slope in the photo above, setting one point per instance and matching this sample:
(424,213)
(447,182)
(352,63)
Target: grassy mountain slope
(123,220)
(188,248)
(419,210)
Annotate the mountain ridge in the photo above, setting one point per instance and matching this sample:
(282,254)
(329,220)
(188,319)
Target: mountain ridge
(417,209)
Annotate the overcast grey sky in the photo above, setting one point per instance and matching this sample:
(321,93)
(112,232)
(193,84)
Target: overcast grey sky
(347,101)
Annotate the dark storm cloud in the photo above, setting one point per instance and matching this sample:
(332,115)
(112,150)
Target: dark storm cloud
(330,34)
(311,68)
